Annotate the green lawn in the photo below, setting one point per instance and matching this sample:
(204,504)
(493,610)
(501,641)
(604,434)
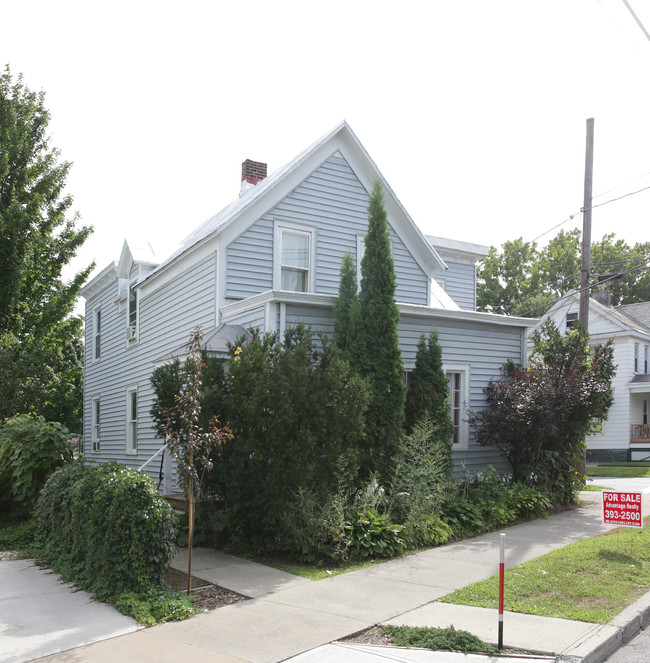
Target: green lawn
(625,471)
(591,580)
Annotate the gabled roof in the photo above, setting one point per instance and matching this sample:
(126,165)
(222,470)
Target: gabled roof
(639,312)
(255,201)
(622,320)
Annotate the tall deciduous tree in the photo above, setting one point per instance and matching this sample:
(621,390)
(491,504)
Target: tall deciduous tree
(521,279)
(428,391)
(40,341)
(378,357)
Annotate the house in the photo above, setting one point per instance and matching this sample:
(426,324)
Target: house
(270,260)
(626,433)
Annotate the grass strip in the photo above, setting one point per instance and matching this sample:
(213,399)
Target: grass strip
(590,580)
(623,472)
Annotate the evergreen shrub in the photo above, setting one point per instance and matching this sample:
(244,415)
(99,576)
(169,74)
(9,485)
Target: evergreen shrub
(107,528)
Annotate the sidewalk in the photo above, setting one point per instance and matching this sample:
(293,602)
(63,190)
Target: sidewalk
(293,617)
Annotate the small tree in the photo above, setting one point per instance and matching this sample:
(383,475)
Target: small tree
(428,391)
(188,443)
(539,416)
(346,308)
(378,357)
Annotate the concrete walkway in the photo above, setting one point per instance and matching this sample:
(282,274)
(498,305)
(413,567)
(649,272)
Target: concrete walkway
(293,617)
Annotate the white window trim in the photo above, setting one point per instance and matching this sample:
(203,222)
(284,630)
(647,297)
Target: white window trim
(95,430)
(136,334)
(131,436)
(637,357)
(361,249)
(463,432)
(97,312)
(277,252)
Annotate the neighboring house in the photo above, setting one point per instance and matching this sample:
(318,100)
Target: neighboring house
(626,433)
(269,260)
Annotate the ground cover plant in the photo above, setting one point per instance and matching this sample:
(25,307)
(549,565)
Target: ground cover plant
(590,580)
(446,639)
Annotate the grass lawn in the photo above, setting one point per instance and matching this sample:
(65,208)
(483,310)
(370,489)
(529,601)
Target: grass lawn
(590,580)
(623,470)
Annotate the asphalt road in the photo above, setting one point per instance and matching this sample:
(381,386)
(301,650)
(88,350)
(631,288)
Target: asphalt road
(635,651)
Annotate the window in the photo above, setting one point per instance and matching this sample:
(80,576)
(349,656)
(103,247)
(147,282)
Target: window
(645,358)
(97,333)
(294,258)
(458,383)
(645,412)
(94,433)
(571,320)
(131,420)
(295,261)
(132,322)
(636,357)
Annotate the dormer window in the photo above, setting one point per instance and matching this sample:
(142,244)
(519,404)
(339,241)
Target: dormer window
(294,258)
(132,322)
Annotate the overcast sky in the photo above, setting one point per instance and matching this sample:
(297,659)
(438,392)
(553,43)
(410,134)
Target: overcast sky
(474,111)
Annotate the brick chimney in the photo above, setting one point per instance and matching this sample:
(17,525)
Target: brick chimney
(253,171)
(603,296)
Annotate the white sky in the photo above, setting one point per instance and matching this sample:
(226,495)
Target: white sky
(474,111)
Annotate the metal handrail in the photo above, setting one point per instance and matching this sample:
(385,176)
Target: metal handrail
(164,446)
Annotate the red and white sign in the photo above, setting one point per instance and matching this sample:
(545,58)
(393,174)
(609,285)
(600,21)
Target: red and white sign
(623,509)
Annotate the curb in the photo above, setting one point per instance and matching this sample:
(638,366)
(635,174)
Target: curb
(625,626)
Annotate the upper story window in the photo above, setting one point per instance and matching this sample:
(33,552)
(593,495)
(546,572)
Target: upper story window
(636,357)
(571,320)
(294,258)
(645,358)
(97,333)
(132,320)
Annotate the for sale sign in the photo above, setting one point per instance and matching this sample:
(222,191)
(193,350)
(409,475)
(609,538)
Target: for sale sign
(623,509)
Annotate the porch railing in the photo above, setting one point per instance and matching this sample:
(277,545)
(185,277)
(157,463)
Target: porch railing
(639,432)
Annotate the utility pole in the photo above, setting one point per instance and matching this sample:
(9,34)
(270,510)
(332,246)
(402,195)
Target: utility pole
(586,227)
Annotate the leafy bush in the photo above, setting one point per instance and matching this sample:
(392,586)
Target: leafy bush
(30,450)
(426,530)
(107,528)
(371,534)
(156,607)
(538,416)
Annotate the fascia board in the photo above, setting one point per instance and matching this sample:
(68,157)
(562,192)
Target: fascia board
(99,282)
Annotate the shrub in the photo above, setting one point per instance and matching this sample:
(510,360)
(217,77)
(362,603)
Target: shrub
(107,528)
(371,534)
(30,450)
(436,638)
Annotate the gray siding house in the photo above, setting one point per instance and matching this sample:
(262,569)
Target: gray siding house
(269,260)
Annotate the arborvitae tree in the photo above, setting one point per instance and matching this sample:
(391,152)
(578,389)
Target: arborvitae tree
(378,357)
(346,307)
(428,391)
(40,342)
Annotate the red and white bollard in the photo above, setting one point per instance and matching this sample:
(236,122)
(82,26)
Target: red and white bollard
(502,572)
